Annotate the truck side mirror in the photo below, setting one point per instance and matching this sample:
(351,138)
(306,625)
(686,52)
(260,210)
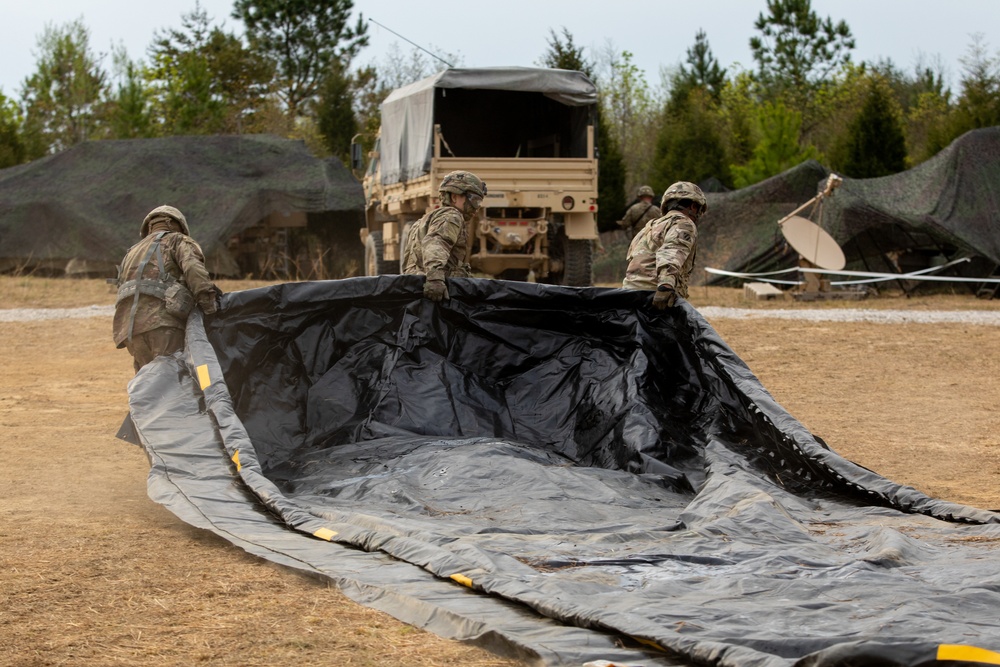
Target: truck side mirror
(357,160)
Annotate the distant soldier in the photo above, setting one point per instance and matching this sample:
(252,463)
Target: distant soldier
(438,243)
(639,213)
(159,282)
(662,254)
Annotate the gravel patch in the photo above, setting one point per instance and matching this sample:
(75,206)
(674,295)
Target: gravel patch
(989,318)
(981,317)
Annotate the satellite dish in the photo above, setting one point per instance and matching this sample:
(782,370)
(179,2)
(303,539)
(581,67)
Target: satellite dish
(813,243)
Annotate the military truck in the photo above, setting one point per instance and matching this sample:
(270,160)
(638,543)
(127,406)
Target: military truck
(527,132)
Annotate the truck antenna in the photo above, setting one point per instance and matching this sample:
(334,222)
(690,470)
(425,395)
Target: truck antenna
(433,55)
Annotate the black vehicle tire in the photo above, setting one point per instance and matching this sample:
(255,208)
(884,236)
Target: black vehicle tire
(579,263)
(404,238)
(375,262)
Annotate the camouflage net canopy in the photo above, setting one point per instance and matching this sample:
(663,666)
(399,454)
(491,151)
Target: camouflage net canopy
(945,208)
(80,210)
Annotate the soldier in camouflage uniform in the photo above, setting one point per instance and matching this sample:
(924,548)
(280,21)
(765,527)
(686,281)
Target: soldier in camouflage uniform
(640,212)
(438,243)
(159,281)
(662,254)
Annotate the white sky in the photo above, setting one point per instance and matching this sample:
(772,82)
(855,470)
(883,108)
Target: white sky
(515,32)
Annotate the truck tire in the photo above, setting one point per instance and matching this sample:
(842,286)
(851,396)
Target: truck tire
(404,238)
(375,262)
(579,263)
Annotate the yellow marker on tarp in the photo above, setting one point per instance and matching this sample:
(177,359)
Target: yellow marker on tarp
(236,460)
(203,379)
(967,654)
(325,534)
(462,579)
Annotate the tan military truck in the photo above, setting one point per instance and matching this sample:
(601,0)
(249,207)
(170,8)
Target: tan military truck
(527,132)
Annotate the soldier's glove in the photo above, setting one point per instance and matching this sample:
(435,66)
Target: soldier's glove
(435,290)
(665,297)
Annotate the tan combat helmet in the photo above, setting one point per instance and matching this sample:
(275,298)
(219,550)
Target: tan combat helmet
(463,183)
(646,191)
(164,211)
(683,190)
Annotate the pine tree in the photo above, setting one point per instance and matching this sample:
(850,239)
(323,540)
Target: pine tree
(876,145)
(564,54)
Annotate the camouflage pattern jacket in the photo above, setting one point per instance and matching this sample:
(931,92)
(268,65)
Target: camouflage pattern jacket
(663,253)
(637,215)
(437,245)
(183,259)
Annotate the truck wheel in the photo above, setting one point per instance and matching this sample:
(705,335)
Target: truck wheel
(579,263)
(375,262)
(404,238)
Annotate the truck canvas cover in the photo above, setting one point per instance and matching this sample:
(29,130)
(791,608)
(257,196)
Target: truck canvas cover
(408,113)
(555,473)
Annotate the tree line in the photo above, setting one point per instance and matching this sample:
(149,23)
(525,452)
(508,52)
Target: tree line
(292,73)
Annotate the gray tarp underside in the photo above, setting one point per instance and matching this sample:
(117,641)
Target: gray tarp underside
(598,473)
(408,112)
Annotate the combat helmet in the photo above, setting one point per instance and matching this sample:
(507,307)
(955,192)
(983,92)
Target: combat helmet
(463,183)
(684,190)
(646,191)
(164,211)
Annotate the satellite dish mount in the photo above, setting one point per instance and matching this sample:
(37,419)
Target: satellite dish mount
(816,248)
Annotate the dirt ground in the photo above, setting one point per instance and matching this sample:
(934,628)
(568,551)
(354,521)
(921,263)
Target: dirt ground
(94,573)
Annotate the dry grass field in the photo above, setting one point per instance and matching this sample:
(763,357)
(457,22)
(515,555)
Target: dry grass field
(94,573)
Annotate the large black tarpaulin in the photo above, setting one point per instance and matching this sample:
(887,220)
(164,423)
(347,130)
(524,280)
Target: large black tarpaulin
(560,473)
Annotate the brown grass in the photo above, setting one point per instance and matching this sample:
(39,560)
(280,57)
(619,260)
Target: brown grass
(94,573)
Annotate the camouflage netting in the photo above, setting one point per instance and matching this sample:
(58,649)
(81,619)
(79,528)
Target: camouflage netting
(946,207)
(83,207)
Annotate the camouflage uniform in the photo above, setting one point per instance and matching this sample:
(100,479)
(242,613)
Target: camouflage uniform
(154,331)
(437,245)
(640,212)
(638,215)
(662,254)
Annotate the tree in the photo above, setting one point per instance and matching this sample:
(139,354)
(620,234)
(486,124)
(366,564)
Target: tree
(796,50)
(564,54)
(689,146)
(703,71)
(979,102)
(629,113)
(12,148)
(875,144)
(303,38)
(204,80)
(129,112)
(62,99)
(335,118)
(778,148)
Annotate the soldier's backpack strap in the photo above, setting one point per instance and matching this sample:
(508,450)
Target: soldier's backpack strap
(142,286)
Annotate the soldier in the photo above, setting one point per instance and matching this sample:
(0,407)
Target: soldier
(159,282)
(438,243)
(662,254)
(640,212)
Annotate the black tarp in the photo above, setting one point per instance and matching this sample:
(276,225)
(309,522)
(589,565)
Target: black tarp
(557,473)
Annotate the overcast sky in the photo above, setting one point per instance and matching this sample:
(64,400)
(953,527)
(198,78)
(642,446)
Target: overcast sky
(515,32)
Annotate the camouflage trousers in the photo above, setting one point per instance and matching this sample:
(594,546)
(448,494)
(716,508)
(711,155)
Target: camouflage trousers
(154,343)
